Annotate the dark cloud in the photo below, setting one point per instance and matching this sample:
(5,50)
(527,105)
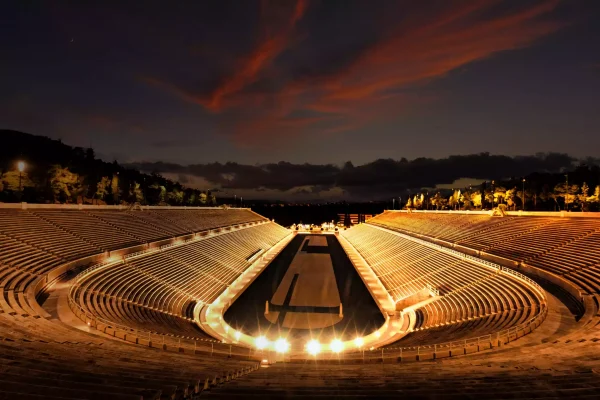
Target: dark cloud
(164,143)
(376,180)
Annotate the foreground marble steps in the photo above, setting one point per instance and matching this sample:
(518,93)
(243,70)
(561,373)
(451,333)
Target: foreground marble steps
(433,380)
(41,359)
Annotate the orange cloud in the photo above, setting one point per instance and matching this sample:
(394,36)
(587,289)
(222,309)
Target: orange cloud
(436,49)
(268,48)
(431,50)
(373,84)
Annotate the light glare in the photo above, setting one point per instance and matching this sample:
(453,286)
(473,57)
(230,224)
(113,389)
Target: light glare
(358,342)
(336,345)
(261,342)
(282,345)
(313,347)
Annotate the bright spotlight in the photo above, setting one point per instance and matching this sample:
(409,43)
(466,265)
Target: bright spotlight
(377,334)
(358,342)
(237,335)
(282,345)
(261,342)
(21,166)
(313,347)
(336,345)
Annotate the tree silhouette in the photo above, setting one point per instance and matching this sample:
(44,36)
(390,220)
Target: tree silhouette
(102,188)
(66,185)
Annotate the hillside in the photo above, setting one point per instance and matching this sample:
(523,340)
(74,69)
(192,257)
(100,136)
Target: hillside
(54,172)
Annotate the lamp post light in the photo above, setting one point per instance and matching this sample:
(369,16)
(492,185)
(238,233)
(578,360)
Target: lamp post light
(523,194)
(21,168)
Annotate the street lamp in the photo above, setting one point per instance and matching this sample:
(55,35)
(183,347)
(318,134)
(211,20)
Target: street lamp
(523,194)
(21,168)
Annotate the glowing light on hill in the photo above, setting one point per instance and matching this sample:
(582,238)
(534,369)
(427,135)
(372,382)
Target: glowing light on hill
(313,347)
(336,346)
(261,342)
(282,345)
(358,342)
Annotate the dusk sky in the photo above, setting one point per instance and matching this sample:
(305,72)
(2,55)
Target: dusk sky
(303,81)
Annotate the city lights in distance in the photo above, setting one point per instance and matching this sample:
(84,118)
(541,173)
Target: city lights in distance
(336,346)
(261,342)
(282,345)
(358,342)
(313,347)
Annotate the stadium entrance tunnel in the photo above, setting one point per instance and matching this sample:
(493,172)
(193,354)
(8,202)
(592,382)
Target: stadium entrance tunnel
(309,291)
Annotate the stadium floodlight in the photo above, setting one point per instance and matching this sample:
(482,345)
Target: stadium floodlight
(261,342)
(237,335)
(377,334)
(336,346)
(282,345)
(358,342)
(313,347)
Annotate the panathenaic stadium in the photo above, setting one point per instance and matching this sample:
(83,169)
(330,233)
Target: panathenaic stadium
(110,302)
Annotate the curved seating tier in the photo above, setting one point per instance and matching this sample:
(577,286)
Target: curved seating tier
(468,291)
(451,380)
(32,243)
(567,246)
(165,285)
(43,358)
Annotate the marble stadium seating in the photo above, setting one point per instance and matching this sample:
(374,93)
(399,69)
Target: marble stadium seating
(145,270)
(43,358)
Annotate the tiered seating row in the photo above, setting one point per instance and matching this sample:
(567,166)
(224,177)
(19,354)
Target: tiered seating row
(74,364)
(32,243)
(170,280)
(201,220)
(73,234)
(564,246)
(450,380)
(29,228)
(468,290)
(42,359)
